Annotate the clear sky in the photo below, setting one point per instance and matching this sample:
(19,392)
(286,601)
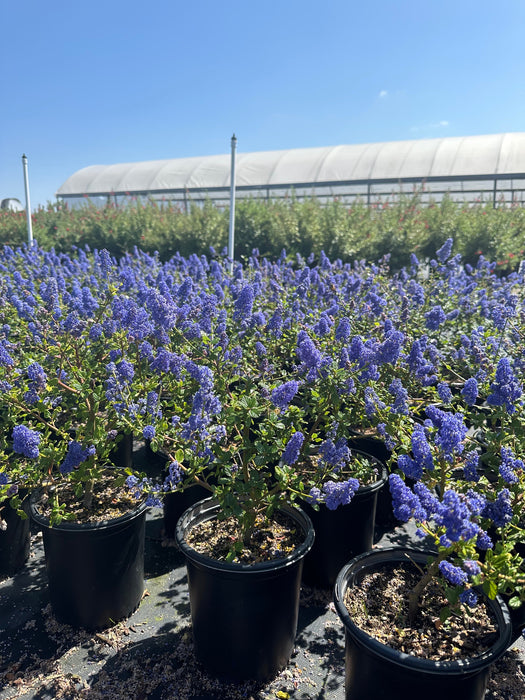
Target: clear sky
(114,81)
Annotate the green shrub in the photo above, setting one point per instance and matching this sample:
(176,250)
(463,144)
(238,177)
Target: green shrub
(347,231)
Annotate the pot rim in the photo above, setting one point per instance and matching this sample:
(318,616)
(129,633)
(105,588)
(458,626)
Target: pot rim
(366,488)
(72,526)
(383,471)
(452,667)
(207,508)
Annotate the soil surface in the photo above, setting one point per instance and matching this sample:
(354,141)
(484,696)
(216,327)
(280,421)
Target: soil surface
(108,502)
(379,606)
(273,539)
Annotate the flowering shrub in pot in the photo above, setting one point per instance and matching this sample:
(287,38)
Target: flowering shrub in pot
(68,375)
(69,380)
(238,404)
(384,669)
(343,530)
(452,582)
(469,523)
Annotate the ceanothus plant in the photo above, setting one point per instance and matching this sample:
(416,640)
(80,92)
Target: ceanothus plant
(460,513)
(70,374)
(239,411)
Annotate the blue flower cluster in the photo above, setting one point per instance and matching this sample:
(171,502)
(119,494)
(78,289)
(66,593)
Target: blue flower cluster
(335,493)
(422,459)
(470,391)
(282,395)
(293,448)
(26,441)
(505,389)
(451,431)
(510,466)
(75,455)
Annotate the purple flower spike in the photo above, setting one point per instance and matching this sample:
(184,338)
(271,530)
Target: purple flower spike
(452,573)
(446,249)
(26,441)
(293,448)
(282,395)
(470,391)
(505,388)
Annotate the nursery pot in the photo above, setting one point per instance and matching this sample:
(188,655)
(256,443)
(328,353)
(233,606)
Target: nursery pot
(176,503)
(122,454)
(376,447)
(95,570)
(15,541)
(244,616)
(342,533)
(375,670)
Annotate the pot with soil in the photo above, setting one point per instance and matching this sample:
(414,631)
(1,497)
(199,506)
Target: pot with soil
(95,564)
(343,532)
(244,613)
(385,657)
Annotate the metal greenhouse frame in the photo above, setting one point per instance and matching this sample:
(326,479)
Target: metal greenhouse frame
(470,169)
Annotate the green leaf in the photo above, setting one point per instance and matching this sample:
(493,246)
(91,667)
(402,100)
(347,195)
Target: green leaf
(490,589)
(444,614)
(452,595)
(515,602)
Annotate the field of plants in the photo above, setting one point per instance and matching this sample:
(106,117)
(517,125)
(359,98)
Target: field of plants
(349,232)
(238,377)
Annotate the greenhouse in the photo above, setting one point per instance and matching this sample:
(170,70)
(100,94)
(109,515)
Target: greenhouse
(471,169)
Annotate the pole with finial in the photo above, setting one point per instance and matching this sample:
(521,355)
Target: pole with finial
(28,203)
(231,233)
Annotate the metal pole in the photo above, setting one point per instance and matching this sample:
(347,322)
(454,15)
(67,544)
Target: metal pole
(231,234)
(28,203)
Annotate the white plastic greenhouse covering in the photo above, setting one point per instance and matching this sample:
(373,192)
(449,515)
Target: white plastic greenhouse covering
(470,168)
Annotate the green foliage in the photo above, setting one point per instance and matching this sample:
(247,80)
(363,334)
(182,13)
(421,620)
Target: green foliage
(349,232)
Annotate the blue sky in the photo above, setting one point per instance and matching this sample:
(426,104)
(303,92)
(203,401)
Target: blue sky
(114,81)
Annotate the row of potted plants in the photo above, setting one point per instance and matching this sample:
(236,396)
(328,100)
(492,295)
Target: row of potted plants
(265,389)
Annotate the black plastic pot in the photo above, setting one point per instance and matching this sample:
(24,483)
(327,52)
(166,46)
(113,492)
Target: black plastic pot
(122,453)
(341,534)
(374,670)
(95,570)
(175,504)
(244,616)
(15,541)
(371,445)
(376,447)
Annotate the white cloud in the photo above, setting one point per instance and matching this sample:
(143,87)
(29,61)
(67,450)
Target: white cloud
(383,94)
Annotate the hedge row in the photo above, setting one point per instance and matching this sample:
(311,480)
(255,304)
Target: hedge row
(304,227)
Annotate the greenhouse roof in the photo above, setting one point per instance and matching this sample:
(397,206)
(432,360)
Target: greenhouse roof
(454,157)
